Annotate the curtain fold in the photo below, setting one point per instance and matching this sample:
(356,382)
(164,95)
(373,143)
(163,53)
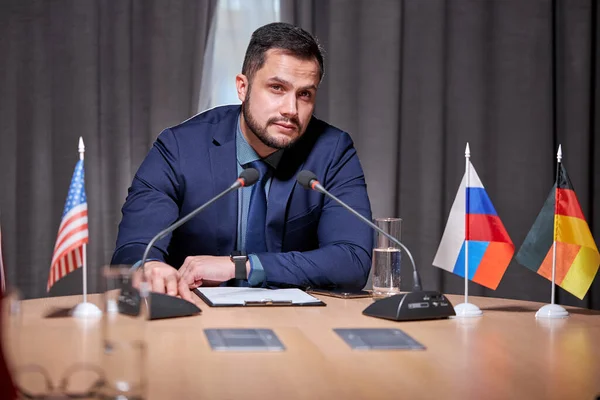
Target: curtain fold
(413,81)
(232,25)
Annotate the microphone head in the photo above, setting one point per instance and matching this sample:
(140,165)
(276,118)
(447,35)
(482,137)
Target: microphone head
(306,178)
(249,176)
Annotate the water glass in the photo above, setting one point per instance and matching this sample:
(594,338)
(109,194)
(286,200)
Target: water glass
(126,312)
(387,258)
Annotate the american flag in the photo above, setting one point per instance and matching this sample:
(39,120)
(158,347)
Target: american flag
(2,274)
(73,230)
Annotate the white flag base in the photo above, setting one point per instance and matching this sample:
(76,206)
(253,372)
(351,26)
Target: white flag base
(552,311)
(86,310)
(467,310)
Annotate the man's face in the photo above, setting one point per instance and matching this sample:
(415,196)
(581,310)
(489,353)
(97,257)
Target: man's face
(278,102)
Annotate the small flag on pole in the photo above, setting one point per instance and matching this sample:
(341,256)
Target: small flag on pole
(73,230)
(561,220)
(490,247)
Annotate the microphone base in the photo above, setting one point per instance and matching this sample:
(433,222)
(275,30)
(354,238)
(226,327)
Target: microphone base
(412,306)
(161,305)
(165,306)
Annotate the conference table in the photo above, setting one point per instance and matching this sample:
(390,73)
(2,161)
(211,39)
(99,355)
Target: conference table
(505,354)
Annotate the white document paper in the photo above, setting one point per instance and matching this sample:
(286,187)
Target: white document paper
(255,296)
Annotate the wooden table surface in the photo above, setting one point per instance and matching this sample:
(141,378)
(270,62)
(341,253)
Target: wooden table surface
(505,354)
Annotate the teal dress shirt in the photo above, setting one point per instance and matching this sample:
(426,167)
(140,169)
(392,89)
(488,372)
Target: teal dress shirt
(246,154)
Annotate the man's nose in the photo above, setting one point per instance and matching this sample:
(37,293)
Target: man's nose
(289,108)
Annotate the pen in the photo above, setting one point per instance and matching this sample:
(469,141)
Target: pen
(268,302)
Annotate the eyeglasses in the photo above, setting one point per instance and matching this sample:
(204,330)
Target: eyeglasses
(80,381)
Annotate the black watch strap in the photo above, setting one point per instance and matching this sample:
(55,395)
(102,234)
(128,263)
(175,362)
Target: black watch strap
(239,260)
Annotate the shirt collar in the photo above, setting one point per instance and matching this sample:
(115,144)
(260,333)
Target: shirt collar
(246,154)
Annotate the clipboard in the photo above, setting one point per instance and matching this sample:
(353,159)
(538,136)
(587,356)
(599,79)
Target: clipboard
(255,297)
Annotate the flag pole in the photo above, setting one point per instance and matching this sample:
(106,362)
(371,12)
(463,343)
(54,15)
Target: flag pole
(553,310)
(466,309)
(81,149)
(554,234)
(85,309)
(467,184)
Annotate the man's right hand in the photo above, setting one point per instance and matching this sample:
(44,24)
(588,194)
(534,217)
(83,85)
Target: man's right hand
(162,277)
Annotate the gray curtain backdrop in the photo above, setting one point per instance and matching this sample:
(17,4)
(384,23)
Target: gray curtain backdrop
(414,80)
(115,73)
(411,80)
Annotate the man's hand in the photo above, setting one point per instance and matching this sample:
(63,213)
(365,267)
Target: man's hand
(204,271)
(162,277)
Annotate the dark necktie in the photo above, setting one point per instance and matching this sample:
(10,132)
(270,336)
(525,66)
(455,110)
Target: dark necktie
(257,211)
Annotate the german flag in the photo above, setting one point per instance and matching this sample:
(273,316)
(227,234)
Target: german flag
(561,220)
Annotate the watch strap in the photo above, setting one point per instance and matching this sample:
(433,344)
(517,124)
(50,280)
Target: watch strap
(239,261)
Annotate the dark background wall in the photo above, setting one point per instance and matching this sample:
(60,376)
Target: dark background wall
(411,80)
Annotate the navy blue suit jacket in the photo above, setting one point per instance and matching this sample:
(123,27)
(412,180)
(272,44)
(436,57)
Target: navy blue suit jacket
(311,240)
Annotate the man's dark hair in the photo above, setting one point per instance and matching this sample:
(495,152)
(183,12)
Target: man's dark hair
(279,35)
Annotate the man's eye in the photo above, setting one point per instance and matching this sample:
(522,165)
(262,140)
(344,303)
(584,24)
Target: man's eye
(276,87)
(306,94)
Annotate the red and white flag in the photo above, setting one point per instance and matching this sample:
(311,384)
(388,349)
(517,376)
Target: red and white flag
(73,231)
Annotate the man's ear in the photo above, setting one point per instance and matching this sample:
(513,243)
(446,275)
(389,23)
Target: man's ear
(241,84)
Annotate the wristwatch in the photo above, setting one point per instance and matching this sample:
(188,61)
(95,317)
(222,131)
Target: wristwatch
(239,260)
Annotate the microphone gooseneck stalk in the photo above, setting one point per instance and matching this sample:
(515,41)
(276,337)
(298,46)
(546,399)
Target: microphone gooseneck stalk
(248,177)
(309,180)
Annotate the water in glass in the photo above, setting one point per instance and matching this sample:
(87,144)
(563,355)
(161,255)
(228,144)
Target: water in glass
(386,271)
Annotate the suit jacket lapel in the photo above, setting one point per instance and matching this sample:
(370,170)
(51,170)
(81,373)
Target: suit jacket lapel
(279,194)
(223,164)
(282,185)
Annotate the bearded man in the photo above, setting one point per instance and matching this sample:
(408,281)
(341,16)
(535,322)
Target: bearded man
(285,235)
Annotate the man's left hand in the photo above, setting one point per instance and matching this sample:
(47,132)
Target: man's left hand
(204,271)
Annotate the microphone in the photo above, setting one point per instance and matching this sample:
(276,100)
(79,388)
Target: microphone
(417,304)
(163,305)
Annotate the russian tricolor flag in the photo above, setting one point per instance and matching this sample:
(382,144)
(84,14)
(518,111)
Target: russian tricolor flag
(474,218)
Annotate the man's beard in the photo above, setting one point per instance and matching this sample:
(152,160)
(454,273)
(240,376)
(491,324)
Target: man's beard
(261,131)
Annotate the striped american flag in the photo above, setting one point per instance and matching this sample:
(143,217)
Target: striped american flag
(73,230)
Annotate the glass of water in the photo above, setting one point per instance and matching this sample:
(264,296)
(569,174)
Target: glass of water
(387,258)
(126,312)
